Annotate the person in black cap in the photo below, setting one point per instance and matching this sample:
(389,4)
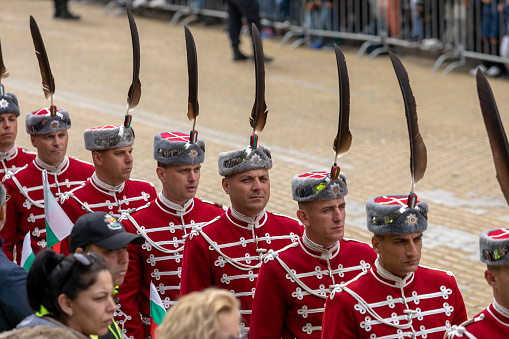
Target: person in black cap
(103,234)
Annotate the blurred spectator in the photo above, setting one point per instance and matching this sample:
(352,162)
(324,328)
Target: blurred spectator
(236,10)
(62,12)
(318,15)
(73,293)
(490,29)
(13,298)
(212,313)
(504,43)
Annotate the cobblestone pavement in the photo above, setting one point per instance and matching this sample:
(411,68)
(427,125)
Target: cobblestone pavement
(91,63)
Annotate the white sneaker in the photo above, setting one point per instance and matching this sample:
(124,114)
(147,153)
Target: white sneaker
(483,69)
(493,71)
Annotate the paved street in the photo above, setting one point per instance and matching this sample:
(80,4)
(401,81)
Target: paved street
(91,60)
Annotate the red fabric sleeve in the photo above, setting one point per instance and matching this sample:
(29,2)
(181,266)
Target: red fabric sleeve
(269,304)
(196,265)
(338,319)
(129,294)
(10,229)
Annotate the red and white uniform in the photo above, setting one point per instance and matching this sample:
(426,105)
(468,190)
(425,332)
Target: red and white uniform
(294,283)
(159,259)
(97,196)
(226,253)
(378,304)
(492,323)
(14,160)
(25,208)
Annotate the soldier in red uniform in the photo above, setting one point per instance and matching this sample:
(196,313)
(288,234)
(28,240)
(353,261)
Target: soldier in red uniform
(295,281)
(397,297)
(109,189)
(12,158)
(47,128)
(164,222)
(226,252)
(493,322)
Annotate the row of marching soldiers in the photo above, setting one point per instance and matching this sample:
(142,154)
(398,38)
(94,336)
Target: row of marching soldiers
(293,278)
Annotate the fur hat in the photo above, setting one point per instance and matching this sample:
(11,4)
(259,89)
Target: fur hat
(318,185)
(494,245)
(107,137)
(390,214)
(242,160)
(9,104)
(47,120)
(174,148)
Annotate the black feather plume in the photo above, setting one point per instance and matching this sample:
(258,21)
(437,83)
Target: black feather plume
(48,83)
(343,139)
(3,70)
(193,109)
(259,113)
(496,132)
(418,156)
(134,94)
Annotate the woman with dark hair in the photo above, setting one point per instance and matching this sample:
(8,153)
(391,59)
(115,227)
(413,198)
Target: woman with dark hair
(74,293)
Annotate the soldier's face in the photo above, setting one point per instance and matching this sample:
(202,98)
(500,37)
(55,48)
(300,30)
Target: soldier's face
(249,191)
(498,279)
(114,166)
(180,182)
(117,261)
(8,131)
(51,147)
(324,220)
(399,254)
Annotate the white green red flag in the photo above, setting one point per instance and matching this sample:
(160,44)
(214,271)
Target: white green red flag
(58,224)
(27,254)
(157,310)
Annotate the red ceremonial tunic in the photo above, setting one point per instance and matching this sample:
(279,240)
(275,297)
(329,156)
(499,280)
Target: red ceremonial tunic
(223,253)
(94,196)
(294,283)
(15,159)
(159,259)
(489,324)
(25,207)
(424,304)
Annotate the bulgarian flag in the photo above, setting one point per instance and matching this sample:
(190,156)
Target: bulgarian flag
(27,255)
(157,310)
(58,224)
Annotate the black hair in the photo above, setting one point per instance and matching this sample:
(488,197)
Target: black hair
(162,165)
(53,274)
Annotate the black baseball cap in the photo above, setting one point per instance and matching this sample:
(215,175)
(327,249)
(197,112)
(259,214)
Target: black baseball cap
(101,229)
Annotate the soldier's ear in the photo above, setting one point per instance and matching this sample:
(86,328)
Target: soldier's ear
(491,277)
(32,140)
(160,174)
(375,242)
(97,158)
(225,185)
(302,215)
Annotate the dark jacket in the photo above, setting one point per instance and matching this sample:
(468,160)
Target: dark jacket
(13,294)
